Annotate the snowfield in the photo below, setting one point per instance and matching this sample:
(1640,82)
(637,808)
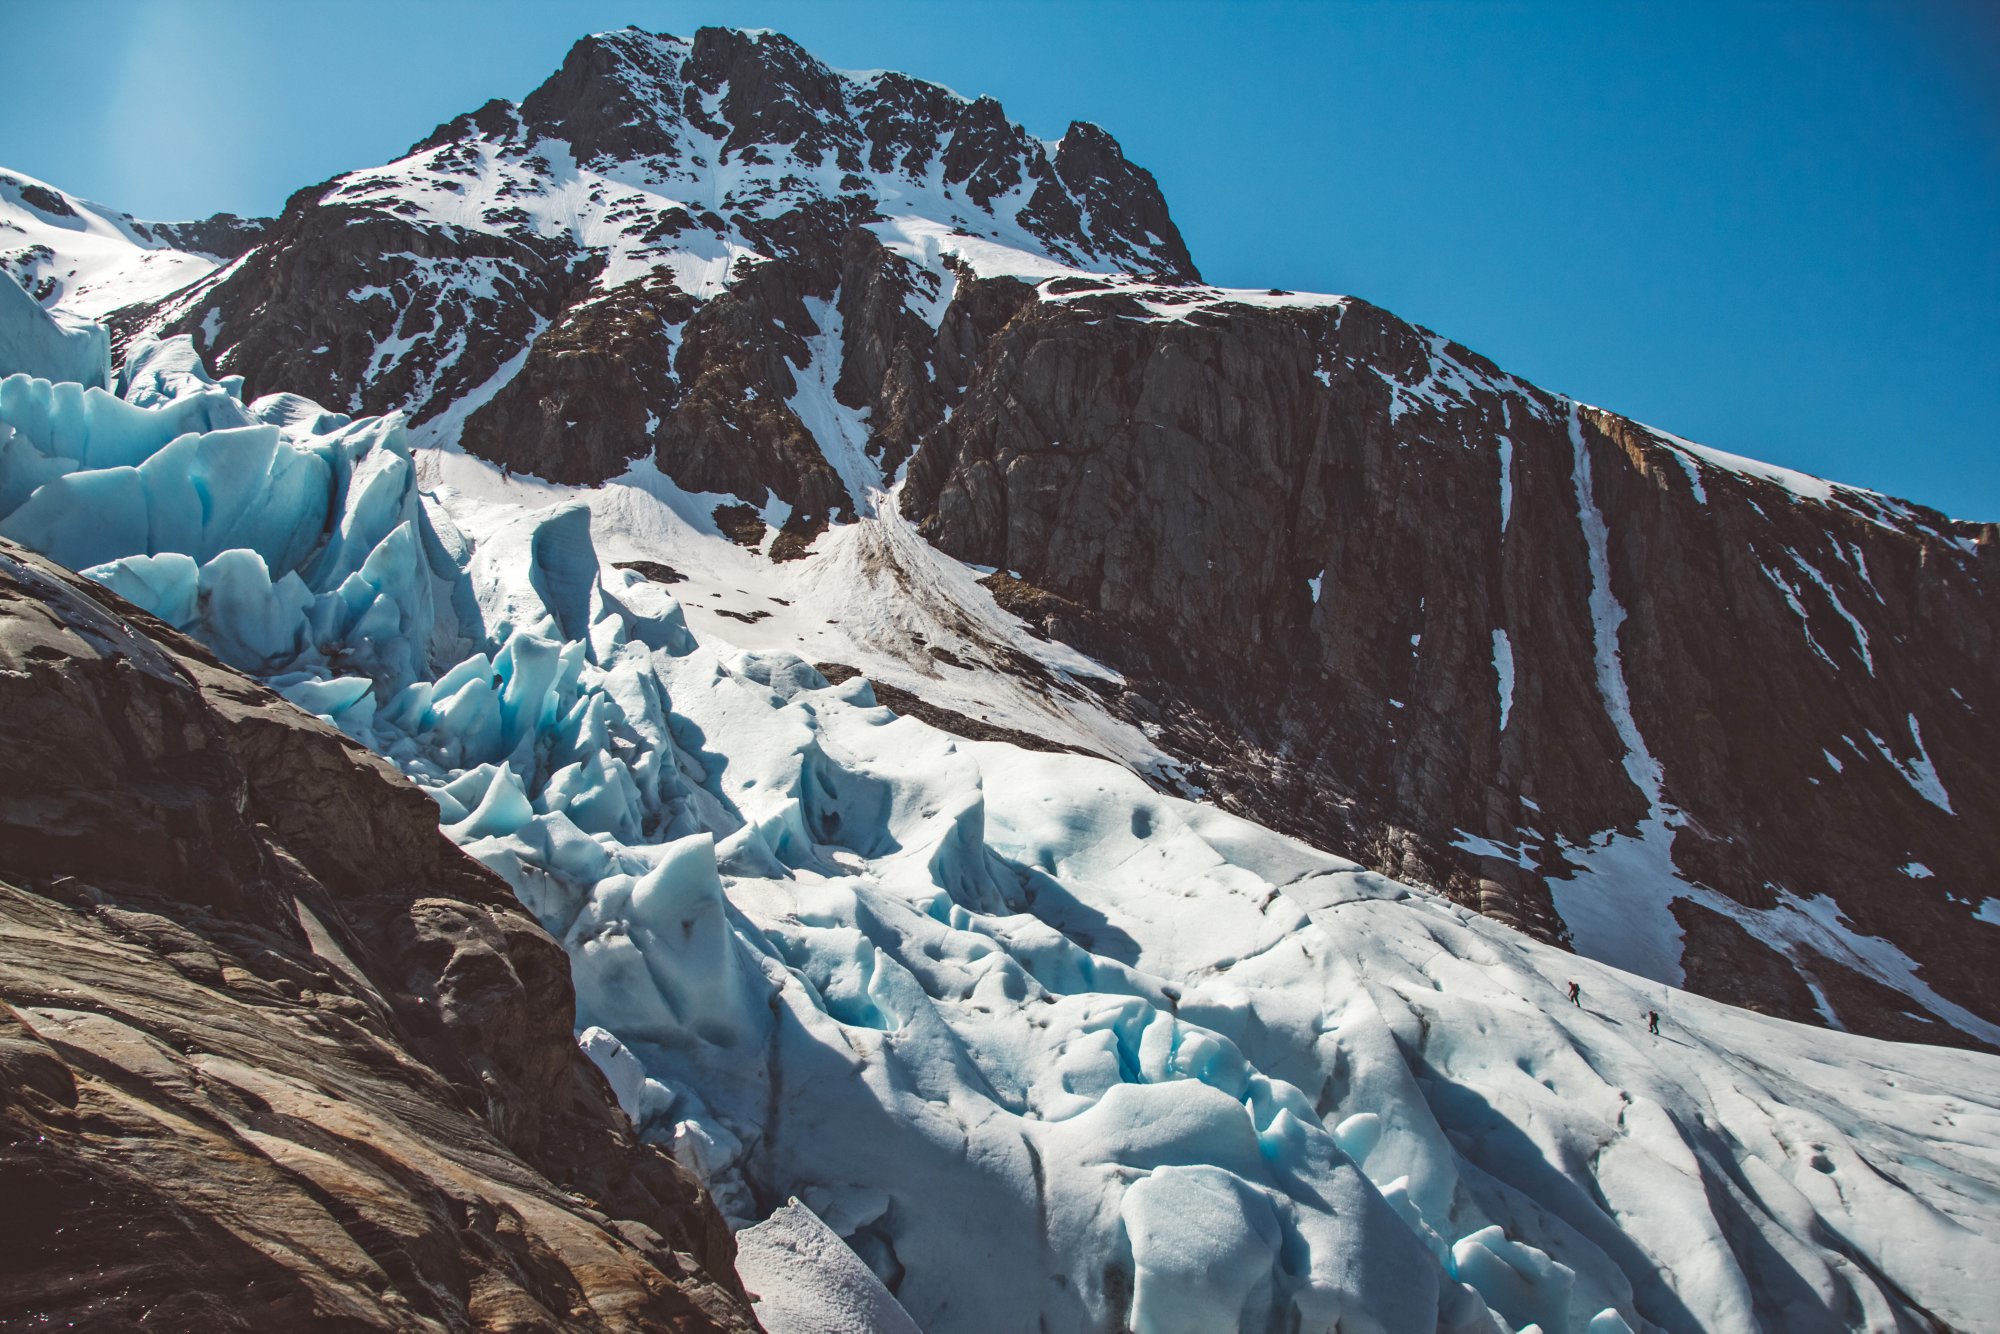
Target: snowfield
(1045,1048)
(83,259)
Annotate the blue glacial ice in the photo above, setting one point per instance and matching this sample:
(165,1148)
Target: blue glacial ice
(37,343)
(1046,1049)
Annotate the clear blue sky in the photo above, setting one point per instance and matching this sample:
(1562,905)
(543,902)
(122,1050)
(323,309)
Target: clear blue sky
(1773,228)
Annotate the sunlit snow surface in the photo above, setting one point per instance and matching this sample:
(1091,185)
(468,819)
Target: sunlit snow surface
(1046,1048)
(83,259)
(807,1280)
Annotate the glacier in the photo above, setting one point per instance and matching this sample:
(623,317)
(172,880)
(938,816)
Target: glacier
(69,351)
(1046,1048)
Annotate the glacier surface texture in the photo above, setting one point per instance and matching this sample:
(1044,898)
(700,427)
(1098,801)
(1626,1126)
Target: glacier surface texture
(1045,1048)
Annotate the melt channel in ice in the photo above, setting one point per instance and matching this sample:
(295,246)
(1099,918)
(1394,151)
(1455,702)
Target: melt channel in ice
(1046,1049)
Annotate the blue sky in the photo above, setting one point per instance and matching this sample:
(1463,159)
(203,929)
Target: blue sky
(1772,228)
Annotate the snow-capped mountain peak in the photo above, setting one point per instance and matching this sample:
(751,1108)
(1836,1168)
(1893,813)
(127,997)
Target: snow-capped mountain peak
(630,209)
(658,151)
(751,123)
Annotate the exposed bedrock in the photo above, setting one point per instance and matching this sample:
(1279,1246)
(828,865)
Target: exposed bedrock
(223,235)
(273,1053)
(369,312)
(1171,492)
(591,390)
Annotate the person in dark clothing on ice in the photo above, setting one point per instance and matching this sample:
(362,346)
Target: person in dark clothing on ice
(1653,1022)
(1573,1000)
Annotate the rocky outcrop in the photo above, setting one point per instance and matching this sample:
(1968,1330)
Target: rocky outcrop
(272,1052)
(1302,530)
(1109,200)
(374,312)
(732,429)
(482,267)
(223,235)
(590,394)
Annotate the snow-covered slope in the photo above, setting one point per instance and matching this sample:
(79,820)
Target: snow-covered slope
(1047,1048)
(33,341)
(83,259)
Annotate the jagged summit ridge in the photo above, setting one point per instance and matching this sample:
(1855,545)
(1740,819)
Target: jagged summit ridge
(589,275)
(742,123)
(688,111)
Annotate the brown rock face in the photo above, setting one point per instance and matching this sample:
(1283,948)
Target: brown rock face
(589,395)
(731,429)
(368,312)
(273,1053)
(1169,491)
(369,297)
(223,235)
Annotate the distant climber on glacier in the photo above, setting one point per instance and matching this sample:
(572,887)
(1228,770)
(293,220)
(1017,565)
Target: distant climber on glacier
(1653,1022)
(1573,999)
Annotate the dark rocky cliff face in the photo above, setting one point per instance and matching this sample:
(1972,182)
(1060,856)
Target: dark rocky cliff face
(1168,491)
(223,235)
(272,1052)
(361,309)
